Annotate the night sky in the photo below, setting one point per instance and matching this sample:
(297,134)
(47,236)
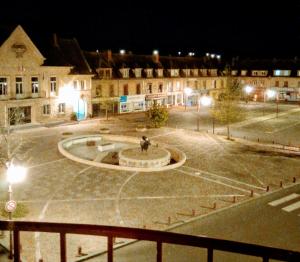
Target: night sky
(230,28)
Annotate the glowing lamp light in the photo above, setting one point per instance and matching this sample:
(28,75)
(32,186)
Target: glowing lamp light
(212,55)
(271,93)
(188,91)
(179,53)
(218,56)
(248,89)
(155,52)
(122,52)
(16,174)
(207,54)
(205,100)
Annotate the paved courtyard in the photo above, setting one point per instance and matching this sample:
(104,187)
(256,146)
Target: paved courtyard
(60,190)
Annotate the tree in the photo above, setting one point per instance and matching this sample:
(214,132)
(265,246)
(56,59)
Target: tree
(226,109)
(158,115)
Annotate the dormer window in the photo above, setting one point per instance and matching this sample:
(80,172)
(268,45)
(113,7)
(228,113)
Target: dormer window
(234,72)
(149,72)
(259,73)
(125,72)
(138,72)
(104,73)
(203,72)
(243,72)
(282,72)
(213,72)
(195,72)
(174,72)
(160,72)
(186,72)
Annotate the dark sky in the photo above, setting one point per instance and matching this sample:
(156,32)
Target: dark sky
(257,28)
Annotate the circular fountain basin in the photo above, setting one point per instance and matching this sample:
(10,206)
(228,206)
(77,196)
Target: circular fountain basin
(154,157)
(120,153)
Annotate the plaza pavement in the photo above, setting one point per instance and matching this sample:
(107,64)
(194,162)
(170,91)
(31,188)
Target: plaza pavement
(60,190)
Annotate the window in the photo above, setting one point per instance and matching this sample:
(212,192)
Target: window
(186,72)
(3,86)
(160,88)
(61,108)
(34,85)
(111,91)
(244,72)
(214,82)
(160,73)
(149,89)
(138,89)
(98,90)
(195,72)
(222,83)
(285,84)
(299,84)
(46,109)
(53,84)
(277,83)
(82,84)
(196,84)
(125,90)
(174,72)
(75,84)
(149,72)
(19,85)
(204,84)
(138,72)
(125,72)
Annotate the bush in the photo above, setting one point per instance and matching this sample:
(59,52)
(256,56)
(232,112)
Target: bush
(158,115)
(73,116)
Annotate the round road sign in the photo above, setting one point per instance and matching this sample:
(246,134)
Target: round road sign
(10,206)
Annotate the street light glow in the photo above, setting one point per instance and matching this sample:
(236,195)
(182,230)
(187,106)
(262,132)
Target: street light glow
(271,93)
(205,100)
(155,52)
(122,51)
(248,89)
(188,91)
(16,174)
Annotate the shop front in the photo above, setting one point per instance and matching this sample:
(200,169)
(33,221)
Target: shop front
(130,104)
(158,99)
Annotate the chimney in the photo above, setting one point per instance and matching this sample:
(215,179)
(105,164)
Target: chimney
(55,40)
(108,55)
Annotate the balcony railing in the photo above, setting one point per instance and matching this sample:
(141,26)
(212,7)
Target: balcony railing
(160,237)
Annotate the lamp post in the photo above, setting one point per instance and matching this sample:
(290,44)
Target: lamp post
(204,101)
(187,92)
(273,94)
(15,174)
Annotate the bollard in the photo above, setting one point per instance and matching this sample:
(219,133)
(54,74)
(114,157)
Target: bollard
(215,206)
(294,179)
(251,193)
(169,220)
(281,184)
(234,199)
(193,212)
(268,188)
(79,251)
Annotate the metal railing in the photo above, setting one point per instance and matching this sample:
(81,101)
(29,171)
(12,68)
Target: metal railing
(160,237)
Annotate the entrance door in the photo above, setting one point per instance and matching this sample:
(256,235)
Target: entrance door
(81,109)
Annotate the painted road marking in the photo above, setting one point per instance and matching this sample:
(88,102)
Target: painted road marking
(283,199)
(292,207)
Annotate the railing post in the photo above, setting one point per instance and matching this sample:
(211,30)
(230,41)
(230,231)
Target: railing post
(210,254)
(265,259)
(159,251)
(63,251)
(110,249)
(16,248)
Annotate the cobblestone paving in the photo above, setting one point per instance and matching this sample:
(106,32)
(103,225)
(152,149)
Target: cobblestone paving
(60,190)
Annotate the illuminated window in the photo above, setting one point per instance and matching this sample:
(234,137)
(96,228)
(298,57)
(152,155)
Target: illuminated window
(53,84)
(160,72)
(138,89)
(125,90)
(149,72)
(149,89)
(19,85)
(3,86)
(160,88)
(34,85)
(138,72)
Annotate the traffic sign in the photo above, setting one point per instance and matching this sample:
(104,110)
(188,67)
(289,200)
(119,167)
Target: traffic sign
(10,206)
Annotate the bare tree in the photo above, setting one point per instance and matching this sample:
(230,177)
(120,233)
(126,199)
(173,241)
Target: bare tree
(226,108)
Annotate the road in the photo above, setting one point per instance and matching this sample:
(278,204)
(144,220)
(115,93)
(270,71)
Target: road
(271,220)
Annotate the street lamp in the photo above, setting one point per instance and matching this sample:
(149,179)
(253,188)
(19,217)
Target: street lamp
(273,94)
(187,92)
(15,174)
(204,101)
(248,89)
